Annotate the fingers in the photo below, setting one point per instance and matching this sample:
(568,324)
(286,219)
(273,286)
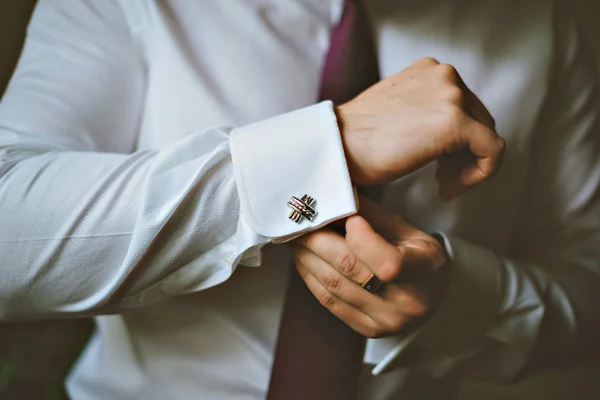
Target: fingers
(460,171)
(354,318)
(474,106)
(416,257)
(478,111)
(386,223)
(422,284)
(372,250)
(448,172)
(424,260)
(375,317)
(410,300)
(404,297)
(486,166)
(338,285)
(487,146)
(331,247)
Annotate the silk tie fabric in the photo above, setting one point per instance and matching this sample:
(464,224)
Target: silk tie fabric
(317,355)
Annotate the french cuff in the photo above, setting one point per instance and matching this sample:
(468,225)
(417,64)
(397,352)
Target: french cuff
(290,156)
(467,312)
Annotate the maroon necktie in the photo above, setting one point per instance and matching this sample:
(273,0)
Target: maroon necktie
(317,355)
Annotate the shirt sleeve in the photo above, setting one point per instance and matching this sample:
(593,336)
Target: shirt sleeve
(89,225)
(535,307)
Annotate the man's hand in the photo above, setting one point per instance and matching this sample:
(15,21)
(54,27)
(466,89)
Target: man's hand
(413,265)
(419,115)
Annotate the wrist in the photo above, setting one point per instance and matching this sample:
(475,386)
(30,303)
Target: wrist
(352,147)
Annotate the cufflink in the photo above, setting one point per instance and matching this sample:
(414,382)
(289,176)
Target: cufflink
(302,208)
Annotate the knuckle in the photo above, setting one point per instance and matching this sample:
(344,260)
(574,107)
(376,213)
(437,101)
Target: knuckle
(448,72)
(372,332)
(428,61)
(346,263)
(390,270)
(455,95)
(418,309)
(489,172)
(332,281)
(414,305)
(491,169)
(395,323)
(501,144)
(326,300)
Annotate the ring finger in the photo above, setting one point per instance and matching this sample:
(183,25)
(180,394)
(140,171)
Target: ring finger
(353,317)
(340,286)
(332,247)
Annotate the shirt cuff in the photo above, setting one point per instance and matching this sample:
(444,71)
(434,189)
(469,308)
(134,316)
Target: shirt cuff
(467,312)
(294,154)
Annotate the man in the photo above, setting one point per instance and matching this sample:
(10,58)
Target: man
(119,198)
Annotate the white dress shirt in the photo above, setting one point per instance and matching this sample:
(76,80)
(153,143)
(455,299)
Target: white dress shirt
(148,149)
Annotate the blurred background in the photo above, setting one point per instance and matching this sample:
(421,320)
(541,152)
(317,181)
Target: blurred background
(47,357)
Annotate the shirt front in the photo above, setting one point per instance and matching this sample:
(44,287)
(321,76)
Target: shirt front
(148,149)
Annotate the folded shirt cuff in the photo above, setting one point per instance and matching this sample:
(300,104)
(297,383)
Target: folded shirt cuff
(294,154)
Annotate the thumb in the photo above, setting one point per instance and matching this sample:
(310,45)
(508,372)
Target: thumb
(382,257)
(388,224)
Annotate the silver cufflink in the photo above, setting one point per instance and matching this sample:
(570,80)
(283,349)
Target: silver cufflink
(302,208)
